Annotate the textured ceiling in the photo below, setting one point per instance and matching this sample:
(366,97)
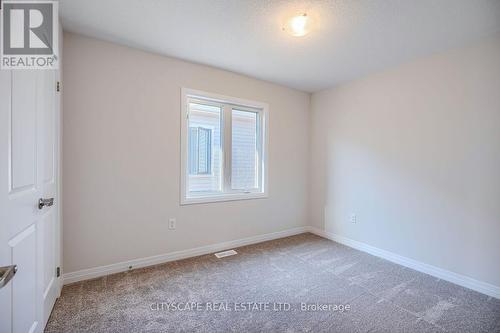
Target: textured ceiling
(352,38)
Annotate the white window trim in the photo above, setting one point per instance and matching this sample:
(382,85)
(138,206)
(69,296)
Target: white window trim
(232,195)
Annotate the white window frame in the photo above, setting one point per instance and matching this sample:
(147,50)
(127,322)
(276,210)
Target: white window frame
(228,194)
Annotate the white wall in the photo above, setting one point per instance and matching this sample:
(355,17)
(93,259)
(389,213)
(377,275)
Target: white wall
(415,152)
(121,156)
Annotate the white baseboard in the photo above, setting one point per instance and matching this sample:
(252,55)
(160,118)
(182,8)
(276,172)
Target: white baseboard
(95,272)
(461,280)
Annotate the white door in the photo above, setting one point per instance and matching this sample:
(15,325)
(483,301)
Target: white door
(29,149)
(48,225)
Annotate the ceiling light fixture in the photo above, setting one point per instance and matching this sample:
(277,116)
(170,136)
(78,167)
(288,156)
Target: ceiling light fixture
(298,26)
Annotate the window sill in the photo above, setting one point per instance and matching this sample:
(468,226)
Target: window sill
(223,198)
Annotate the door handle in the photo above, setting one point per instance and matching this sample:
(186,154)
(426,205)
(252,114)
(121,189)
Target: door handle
(6,274)
(45,202)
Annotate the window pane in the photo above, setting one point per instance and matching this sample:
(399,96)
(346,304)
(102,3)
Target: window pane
(204,145)
(244,150)
(193,150)
(200,149)
(204,149)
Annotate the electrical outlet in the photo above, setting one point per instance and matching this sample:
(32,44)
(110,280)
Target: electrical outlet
(172,223)
(353,218)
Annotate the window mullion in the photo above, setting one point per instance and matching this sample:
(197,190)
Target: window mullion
(227,149)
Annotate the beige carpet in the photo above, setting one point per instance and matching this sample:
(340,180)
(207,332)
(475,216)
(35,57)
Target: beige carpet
(297,284)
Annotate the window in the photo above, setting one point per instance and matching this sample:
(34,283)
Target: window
(224,147)
(200,151)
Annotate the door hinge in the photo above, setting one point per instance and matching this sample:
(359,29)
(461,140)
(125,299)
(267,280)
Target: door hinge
(58,86)
(58,271)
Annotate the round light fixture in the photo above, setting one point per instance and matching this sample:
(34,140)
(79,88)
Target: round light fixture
(298,25)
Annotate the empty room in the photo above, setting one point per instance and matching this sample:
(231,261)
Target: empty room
(250,166)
